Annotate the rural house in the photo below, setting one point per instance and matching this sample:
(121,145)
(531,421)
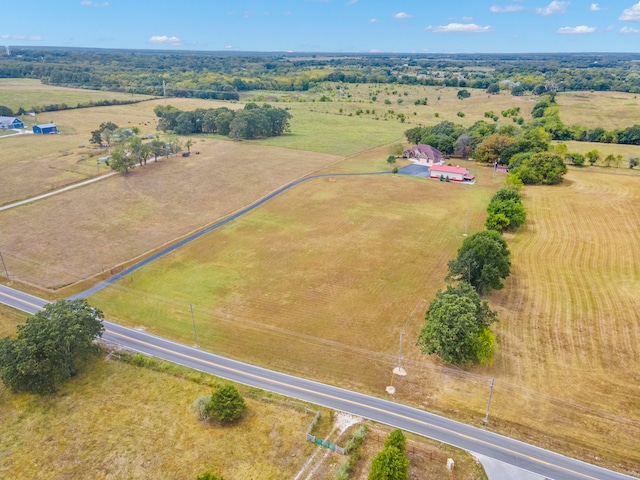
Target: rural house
(423,154)
(454,174)
(45,128)
(11,122)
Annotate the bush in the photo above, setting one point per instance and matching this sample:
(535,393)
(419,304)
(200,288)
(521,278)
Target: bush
(199,407)
(208,476)
(226,405)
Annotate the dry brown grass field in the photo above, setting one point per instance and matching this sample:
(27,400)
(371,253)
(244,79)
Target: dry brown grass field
(117,420)
(609,110)
(69,237)
(606,149)
(35,164)
(321,280)
(120,421)
(28,93)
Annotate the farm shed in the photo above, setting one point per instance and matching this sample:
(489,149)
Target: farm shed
(424,154)
(45,128)
(11,122)
(455,174)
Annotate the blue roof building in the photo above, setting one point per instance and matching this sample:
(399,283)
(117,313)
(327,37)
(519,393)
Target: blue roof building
(45,128)
(11,122)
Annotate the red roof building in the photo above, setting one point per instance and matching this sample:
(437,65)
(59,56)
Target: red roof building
(455,174)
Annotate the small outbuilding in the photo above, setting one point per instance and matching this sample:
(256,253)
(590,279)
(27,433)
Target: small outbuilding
(8,123)
(454,174)
(45,128)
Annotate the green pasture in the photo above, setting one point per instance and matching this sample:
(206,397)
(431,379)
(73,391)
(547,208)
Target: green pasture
(29,93)
(332,265)
(609,110)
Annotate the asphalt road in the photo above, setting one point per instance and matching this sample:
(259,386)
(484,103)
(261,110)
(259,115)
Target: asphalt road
(483,442)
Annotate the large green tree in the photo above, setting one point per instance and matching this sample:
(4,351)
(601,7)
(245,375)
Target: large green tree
(389,464)
(226,404)
(49,348)
(121,160)
(457,327)
(482,261)
(542,168)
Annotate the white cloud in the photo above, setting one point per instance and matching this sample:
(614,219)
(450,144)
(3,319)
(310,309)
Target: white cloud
(461,28)
(553,7)
(577,30)
(402,15)
(629,30)
(508,8)
(228,47)
(351,2)
(595,7)
(89,3)
(164,40)
(375,50)
(32,38)
(467,19)
(373,20)
(631,14)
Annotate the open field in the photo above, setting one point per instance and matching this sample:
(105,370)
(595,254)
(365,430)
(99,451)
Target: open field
(441,100)
(606,149)
(28,93)
(35,164)
(120,421)
(279,287)
(609,110)
(83,232)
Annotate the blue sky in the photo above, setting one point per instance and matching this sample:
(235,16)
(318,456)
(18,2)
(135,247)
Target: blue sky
(387,26)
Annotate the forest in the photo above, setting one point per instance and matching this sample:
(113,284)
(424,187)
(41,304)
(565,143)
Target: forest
(222,75)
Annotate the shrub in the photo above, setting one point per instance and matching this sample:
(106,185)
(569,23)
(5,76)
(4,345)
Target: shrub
(199,407)
(226,405)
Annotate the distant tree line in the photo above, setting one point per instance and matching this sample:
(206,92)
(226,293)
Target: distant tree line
(222,75)
(251,122)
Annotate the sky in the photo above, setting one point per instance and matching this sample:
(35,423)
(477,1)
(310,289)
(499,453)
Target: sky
(347,26)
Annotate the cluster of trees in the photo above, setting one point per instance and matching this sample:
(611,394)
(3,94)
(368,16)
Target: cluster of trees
(505,210)
(48,350)
(392,462)
(129,149)
(541,168)
(251,122)
(457,322)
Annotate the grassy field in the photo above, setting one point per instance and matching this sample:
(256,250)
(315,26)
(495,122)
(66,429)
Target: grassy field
(149,207)
(36,164)
(321,280)
(117,420)
(29,93)
(609,110)
(440,100)
(606,149)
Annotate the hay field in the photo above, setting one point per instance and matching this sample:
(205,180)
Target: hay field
(29,93)
(83,232)
(609,110)
(571,315)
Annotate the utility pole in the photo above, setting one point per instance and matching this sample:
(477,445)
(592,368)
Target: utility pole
(399,370)
(164,91)
(486,417)
(5,267)
(193,320)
